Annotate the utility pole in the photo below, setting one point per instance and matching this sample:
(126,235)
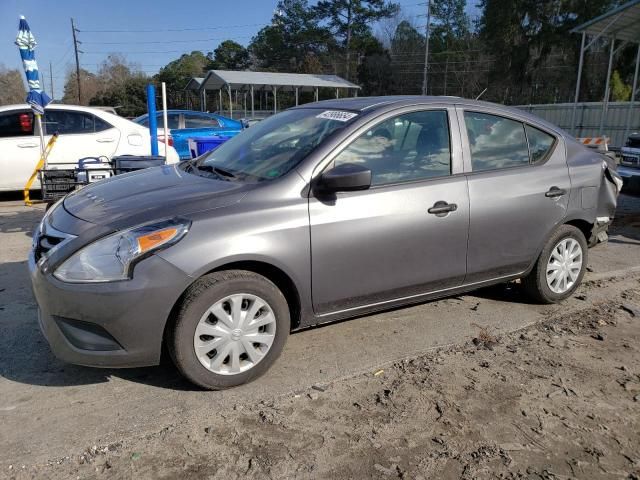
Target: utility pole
(51,78)
(75,47)
(426,49)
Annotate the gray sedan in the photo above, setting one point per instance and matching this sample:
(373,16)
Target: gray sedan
(320,213)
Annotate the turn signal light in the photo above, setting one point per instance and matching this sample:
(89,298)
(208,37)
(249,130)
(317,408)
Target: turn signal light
(155,239)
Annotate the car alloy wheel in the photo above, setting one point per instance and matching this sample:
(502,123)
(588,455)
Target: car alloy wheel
(564,265)
(234,334)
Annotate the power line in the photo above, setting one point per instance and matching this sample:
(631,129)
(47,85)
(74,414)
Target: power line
(220,27)
(129,52)
(162,42)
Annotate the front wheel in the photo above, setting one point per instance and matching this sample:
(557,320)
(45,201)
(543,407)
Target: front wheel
(230,328)
(560,266)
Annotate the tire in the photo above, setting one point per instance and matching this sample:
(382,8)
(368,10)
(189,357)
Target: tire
(222,292)
(536,284)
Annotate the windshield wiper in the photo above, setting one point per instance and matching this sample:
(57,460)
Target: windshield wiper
(221,172)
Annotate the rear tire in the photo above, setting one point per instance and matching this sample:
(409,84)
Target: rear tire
(230,328)
(560,267)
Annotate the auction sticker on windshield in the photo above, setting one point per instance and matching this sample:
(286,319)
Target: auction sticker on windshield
(337,115)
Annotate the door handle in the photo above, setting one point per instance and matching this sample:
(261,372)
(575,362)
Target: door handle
(105,140)
(441,208)
(555,192)
(27,145)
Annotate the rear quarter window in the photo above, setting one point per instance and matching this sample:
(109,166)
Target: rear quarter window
(16,123)
(540,144)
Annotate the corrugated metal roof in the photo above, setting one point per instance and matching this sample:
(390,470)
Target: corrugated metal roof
(194,83)
(242,80)
(622,22)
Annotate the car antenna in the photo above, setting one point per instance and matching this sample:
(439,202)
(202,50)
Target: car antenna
(481,93)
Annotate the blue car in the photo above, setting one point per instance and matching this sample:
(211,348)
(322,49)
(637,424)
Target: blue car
(188,124)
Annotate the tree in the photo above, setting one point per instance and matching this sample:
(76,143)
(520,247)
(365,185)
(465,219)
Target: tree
(122,86)
(621,92)
(11,86)
(129,96)
(532,47)
(292,36)
(351,18)
(230,55)
(176,74)
(407,58)
(91,85)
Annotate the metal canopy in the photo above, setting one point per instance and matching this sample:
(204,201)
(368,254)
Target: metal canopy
(194,83)
(241,80)
(249,82)
(620,24)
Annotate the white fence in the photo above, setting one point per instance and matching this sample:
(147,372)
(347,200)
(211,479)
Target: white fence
(618,121)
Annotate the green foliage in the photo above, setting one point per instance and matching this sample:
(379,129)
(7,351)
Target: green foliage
(128,96)
(176,74)
(293,42)
(620,91)
(450,22)
(349,20)
(352,18)
(230,55)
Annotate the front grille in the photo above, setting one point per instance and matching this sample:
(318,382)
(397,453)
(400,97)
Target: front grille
(47,239)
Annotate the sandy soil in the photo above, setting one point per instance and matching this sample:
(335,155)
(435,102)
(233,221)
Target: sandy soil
(560,399)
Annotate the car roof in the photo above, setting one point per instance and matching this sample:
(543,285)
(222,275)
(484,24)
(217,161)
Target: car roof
(372,104)
(56,106)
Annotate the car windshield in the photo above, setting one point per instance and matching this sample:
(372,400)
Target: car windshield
(273,147)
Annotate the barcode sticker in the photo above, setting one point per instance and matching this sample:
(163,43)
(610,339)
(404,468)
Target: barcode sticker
(337,115)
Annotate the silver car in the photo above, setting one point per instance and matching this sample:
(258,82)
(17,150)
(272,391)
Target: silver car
(322,212)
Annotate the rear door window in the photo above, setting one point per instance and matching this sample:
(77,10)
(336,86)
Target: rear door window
(18,123)
(200,121)
(495,142)
(69,122)
(173,121)
(540,143)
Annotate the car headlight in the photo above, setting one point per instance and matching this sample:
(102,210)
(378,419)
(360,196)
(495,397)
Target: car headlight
(112,258)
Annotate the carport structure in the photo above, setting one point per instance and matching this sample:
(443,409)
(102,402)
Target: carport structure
(249,83)
(621,25)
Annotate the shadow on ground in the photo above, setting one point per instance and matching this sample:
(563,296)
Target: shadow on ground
(25,356)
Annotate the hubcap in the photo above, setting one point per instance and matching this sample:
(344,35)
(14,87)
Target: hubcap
(234,334)
(564,266)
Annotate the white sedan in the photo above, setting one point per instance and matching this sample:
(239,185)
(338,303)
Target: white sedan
(83,132)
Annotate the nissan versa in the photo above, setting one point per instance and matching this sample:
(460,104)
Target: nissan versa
(322,212)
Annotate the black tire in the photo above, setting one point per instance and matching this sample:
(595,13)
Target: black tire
(203,294)
(535,284)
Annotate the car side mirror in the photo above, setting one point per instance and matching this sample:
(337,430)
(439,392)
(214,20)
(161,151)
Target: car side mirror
(347,177)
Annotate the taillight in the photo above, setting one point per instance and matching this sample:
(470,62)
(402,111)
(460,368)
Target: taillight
(25,123)
(169,142)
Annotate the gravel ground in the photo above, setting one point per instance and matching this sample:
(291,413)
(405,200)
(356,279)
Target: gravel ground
(557,399)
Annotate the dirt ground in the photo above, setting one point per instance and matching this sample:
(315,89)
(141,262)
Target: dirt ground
(559,398)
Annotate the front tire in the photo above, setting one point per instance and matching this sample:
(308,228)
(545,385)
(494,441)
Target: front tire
(560,267)
(230,328)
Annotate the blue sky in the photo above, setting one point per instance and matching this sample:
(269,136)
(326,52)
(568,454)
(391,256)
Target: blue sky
(208,21)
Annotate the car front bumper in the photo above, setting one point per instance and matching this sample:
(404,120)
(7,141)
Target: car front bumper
(630,177)
(114,324)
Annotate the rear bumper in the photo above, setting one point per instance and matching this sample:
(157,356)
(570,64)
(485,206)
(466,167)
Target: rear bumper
(117,324)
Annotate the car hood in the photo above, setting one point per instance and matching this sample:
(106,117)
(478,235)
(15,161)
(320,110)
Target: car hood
(150,194)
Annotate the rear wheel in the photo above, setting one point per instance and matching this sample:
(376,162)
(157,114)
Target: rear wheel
(560,267)
(230,328)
